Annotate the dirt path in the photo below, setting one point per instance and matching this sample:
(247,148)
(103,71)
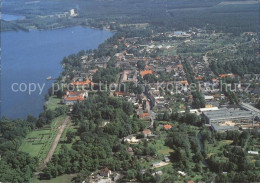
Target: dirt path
(55,143)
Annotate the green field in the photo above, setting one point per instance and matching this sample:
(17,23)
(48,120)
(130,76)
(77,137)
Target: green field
(53,103)
(161,148)
(60,179)
(38,142)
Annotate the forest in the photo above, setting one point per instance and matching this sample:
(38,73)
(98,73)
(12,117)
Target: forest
(161,15)
(99,145)
(15,166)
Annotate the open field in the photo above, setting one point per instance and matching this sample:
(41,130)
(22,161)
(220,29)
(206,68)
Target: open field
(64,179)
(161,148)
(38,142)
(52,103)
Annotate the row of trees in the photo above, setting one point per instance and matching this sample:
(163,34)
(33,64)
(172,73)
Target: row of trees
(188,118)
(47,116)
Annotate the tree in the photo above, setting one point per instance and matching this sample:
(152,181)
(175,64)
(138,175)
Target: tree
(130,174)
(46,97)
(258,105)
(141,65)
(70,135)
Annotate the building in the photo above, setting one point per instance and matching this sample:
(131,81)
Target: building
(254,110)
(253,152)
(105,172)
(182,173)
(157,173)
(147,132)
(166,159)
(156,164)
(225,114)
(144,116)
(143,73)
(72,13)
(167,127)
(131,139)
(222,128)
(73,97)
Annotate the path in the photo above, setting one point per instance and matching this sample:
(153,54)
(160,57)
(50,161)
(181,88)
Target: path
(55,143)
(151,113)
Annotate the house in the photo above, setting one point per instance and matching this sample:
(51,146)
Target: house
(147,132)
(166,159)
(121,94)
(156,164)
(207,97)
(130,150)
(182,173)
(253,152)
(73,97)
(226,75)
(104,123)
(105,172)
(143,73)
(144,115)
(167,127)
(157,173)
(85,83)
(131,139)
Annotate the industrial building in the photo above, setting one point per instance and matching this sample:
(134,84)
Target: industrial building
(228,114)
(249,107)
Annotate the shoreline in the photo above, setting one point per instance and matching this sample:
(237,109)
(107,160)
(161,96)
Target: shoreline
(55,28)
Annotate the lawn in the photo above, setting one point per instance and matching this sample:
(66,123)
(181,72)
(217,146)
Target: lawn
(38,142)
(64,179)
(161,148)
(52,103)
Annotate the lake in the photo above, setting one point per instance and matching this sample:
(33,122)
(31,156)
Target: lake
(30,57)
(8,17)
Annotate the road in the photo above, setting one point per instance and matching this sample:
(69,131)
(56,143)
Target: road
(151,113)
(55,143)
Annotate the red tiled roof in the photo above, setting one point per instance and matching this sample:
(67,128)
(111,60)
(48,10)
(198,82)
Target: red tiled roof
(199,78)
(167,127)
(87,82)
(76,98)
(143,73)
(225,75)
(184,82)
(121,93)
(143,115)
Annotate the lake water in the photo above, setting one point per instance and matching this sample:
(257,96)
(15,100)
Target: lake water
(7,17)
(30,57)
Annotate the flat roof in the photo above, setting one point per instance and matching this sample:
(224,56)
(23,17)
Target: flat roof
(225,114)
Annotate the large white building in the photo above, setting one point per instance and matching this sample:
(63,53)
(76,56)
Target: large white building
(228,114)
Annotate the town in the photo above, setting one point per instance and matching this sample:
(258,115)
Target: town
(174,81)
(161,92)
